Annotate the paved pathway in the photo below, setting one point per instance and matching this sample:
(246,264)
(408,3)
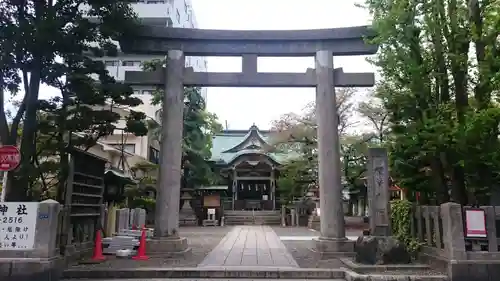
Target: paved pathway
(250,246)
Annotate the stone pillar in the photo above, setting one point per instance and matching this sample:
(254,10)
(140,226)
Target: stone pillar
(453,231)
(459,268)
(131,219)
(234,186)
(33,257)
(332,241)
(166,231)
(378,191)
(273,188)
(140,218)
(283,215)
(122,219)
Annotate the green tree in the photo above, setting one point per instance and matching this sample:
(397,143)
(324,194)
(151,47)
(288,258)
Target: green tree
(199,127)
(439,62)
(376,115)
(296,135)
(49,42)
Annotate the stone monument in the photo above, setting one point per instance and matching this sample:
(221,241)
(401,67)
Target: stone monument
(122,219)
(379,247)
(28,241)
(176,43)
(187,217)
(140,218)
(378,192)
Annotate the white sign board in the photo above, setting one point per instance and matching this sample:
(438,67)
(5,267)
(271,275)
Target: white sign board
(18,225)
(475,223)
(211,211)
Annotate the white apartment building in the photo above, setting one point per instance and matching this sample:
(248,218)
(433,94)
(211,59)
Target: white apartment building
(173,13)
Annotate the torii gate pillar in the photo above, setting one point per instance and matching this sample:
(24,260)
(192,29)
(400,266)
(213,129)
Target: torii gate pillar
(333,241)
(166,229)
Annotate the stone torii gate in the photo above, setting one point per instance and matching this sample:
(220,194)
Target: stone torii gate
(323,44)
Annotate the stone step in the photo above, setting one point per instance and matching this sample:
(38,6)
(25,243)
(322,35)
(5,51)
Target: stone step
(195,279)
(250,212)
(236,272)
(252,217)
(233,273)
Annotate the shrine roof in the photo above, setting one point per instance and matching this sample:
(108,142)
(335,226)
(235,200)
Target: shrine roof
(230,144)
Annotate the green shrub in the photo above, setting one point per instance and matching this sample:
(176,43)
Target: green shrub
(401,212)
(143,202)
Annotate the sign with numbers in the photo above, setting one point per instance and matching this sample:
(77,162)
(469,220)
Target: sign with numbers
(18,225)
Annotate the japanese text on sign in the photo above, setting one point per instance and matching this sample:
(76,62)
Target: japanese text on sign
(475,223)
(17,225)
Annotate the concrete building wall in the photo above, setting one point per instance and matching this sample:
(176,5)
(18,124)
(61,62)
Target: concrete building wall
(174,13)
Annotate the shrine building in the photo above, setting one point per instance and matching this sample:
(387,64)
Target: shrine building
(248,168)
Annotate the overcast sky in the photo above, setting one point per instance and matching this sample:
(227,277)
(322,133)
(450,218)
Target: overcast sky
(242,107)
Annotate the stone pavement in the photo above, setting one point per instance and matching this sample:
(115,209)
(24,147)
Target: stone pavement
(250,246)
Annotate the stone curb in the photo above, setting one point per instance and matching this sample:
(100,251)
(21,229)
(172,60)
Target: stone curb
(240,272)
(353,276)
(205,272)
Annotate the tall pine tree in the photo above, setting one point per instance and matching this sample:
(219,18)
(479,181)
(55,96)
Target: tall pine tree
(52,42)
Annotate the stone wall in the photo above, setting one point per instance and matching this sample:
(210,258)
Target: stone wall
(25,259)
(441,230)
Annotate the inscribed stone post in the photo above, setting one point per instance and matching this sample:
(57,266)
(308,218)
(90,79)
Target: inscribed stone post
(122,219)
(131,218)
(126,218)
(28,240)
(140,217)
(378,191)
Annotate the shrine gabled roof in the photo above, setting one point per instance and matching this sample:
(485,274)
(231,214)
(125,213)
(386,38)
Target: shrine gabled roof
(230,144)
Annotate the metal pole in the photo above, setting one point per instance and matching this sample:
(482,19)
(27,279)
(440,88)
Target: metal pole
(4,186)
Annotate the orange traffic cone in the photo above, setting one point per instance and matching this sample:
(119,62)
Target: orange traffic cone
(98,256)
(141,252)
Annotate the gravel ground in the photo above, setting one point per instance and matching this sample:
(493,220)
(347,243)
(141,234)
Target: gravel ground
(300,250)
(201,240)
(304,231)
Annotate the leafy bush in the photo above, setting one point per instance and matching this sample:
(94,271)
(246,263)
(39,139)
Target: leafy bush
(143,202)
(401,212)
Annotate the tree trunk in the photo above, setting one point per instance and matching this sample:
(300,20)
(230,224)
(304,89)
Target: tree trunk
(459,190)
(439,180)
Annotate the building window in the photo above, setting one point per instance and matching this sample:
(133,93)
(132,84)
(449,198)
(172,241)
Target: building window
(131,63)
(178,15)
(111,63)
(147,92)
(154,155)
(127,147)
